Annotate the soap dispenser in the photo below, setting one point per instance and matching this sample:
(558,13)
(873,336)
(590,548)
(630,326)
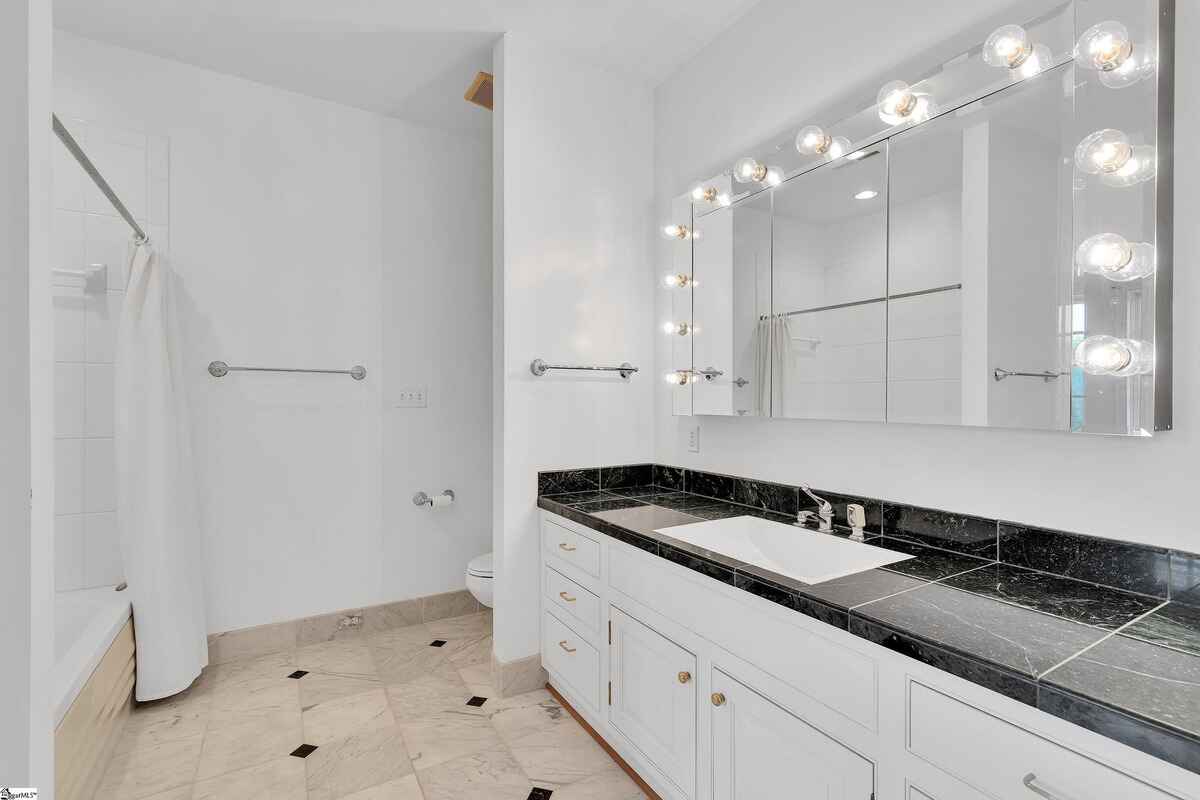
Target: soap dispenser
(856,515)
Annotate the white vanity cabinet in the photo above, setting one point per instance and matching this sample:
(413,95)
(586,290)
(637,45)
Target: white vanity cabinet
(759,747)
(652,699)
(710,692)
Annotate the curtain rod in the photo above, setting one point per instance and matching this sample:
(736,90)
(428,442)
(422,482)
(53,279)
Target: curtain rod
(73,146)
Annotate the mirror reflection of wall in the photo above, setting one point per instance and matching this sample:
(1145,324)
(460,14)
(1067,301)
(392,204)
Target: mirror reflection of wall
(829,286)
(976,245)
(732,258)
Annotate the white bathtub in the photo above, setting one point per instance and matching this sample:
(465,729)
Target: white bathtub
(86,622)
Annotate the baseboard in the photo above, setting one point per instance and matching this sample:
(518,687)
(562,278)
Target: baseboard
(613,754)
(262,640)
(518,677)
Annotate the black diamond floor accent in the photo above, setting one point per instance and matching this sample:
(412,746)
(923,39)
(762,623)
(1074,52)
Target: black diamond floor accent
(298,674)
(304,751)
(477,701)
(438,643)
(540,794)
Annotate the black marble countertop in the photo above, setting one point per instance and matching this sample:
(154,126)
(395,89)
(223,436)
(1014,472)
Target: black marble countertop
(1121,663)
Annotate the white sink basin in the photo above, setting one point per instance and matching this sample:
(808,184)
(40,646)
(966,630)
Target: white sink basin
(789,550)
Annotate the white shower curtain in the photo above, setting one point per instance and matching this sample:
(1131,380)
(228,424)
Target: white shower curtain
(773,357)
(156,501)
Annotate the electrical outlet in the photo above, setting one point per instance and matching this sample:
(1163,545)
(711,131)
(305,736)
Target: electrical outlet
(414,397)
(693,439)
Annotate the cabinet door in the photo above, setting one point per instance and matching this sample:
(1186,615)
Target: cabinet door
(653,700)
(761,750)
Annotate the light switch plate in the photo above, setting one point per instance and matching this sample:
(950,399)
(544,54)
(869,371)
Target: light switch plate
(412,397)
(693,439)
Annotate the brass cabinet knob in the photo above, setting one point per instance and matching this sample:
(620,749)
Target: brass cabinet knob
(718,699)
(685,676)
(567,597)
(570,548)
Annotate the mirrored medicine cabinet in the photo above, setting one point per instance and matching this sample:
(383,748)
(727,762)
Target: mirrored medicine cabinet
(987,246)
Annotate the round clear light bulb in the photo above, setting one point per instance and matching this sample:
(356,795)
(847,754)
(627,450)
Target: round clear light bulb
(678,281)
(704,193)
(774,176)
(1115,257)
(1041,58)
(839,147)
(1105,46)
(1008,46)
(676,231)
(1108,355)
(896,102)
(676,328)
(1142,165)
(748,170)
(1134,69)
(677,378)
(1103,152)
(812,140)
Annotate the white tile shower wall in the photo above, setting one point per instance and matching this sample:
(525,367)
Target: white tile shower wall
(88,233)
(1053,479)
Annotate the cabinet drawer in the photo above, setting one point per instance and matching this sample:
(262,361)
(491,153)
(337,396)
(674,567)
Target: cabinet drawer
(572,547)
(1003,760)
(572,659)
(572,598)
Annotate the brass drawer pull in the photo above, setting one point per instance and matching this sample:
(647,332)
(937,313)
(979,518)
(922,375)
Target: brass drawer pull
(718,699)
(570,548)
(563,645)
(567,597)
(685,676)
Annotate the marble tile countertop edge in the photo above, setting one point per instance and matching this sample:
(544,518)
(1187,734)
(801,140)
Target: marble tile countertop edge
(1089,706)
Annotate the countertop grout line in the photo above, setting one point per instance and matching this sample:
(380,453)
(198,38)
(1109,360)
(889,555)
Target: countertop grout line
(1111,634)
(928,582)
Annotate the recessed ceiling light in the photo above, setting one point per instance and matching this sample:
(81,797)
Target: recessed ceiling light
(866,194)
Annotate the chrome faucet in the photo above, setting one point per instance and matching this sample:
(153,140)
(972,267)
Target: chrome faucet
(824,512)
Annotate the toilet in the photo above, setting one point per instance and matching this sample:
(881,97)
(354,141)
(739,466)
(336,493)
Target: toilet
(479,578)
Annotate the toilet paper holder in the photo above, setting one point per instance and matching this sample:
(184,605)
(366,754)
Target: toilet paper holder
(422,499)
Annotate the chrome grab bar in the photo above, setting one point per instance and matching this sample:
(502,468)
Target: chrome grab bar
(1030,782)
(539,368)
(1047,376)
(219,369)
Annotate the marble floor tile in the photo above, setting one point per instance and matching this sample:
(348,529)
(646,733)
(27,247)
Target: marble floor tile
(610,783)
(407,788)
(406,654)
(428,696)
(279,779)
(447,735)
(477,677)
(349,657)
(151,770)
(348,716)
(260,699)
(249,742)
(560,755)
(163,721)
(491,774)
(321,687)
(355,763)
(181,793)
(524,715)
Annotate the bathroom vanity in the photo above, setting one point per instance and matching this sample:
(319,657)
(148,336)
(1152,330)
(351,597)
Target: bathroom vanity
(944,674)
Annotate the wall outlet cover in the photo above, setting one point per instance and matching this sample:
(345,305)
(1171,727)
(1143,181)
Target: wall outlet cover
(693,439)
(412,397)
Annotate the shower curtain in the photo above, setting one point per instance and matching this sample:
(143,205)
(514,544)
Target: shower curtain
(156,501)
(773,356)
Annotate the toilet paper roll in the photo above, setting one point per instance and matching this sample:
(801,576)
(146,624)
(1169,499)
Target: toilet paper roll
(437,501)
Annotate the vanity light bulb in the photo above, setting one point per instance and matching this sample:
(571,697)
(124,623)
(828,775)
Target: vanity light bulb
(724,201)
(676,232)
(677,378)
(703,194)
(1115,257)
(1008,46)
(1108,355)
(1142,165)
(676,328)
(747,170)
(1135,68)
(679,281)
(812,140)
(1105,46)
(1041,58)
(1104,151)
(774,176)
(898,103)
(839,147)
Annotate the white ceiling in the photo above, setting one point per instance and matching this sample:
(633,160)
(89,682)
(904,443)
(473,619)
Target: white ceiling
(404,59)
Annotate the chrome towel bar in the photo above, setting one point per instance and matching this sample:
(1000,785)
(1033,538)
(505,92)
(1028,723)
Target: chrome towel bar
(219,369)
(1001,374)
(539,367)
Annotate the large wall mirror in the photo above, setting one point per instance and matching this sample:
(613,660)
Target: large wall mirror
(989,246)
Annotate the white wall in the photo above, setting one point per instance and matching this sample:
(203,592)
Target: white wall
(575,182)
(278,216)
(1121,488)
(26,474)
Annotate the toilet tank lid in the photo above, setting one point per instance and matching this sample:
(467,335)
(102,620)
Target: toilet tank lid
(481,566)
